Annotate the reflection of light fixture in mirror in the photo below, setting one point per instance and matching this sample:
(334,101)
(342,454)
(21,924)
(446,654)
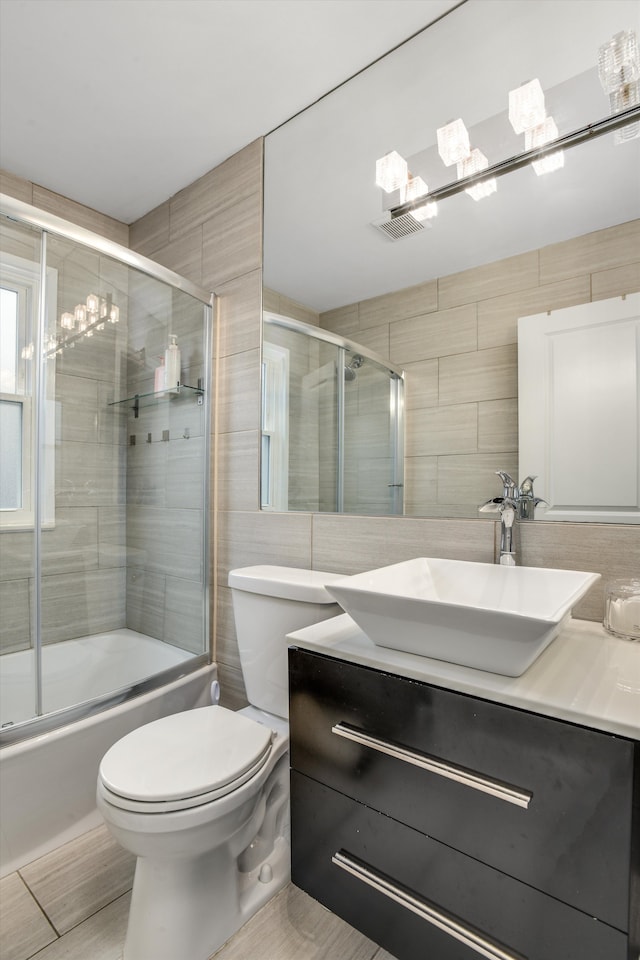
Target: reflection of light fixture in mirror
(86,319)
(537,137)
(475,163)
(526,106)
(453,142)
(415,189)
(619,71)
(391,172)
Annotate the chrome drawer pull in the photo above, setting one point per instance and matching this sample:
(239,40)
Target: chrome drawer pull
(504,791)
(481,945)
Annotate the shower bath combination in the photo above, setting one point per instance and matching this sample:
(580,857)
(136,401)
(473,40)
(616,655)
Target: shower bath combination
(103,513)
(332,423)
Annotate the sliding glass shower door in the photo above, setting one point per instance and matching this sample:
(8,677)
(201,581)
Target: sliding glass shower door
(332,423)
(104,469)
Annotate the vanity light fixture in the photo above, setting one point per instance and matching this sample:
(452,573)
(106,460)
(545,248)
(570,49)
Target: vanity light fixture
(619,72)
(86,319)
(391,172)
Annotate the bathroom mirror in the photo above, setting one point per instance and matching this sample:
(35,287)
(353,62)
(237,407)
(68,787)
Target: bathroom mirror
(442,300)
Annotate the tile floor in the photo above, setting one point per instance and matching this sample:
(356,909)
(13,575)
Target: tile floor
(72,904)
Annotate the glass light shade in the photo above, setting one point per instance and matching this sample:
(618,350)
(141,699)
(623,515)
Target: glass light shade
(621,99)
(104,309)
(526,106)
(475,163)
(453,142)
(67,321)
(114,314)
(391,172)
(426,211)
(538,137)
(414,188)
(619,61)
(80,313)
(93,303)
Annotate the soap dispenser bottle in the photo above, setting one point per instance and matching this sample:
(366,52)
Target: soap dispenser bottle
(172,363)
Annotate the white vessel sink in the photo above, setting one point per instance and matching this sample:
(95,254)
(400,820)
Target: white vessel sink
(479,615)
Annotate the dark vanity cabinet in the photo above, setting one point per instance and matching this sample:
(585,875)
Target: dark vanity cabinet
(448,827)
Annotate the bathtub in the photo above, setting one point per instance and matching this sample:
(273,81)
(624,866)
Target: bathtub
(48,781)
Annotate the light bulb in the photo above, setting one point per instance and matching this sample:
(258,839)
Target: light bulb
(426,211)
(538,137)
(93,303)
(67,321)
(391,172)
(526,106)
(453,142)
(475,163)
(80,313)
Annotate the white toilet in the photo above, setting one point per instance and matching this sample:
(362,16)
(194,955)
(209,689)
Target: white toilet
(202,797)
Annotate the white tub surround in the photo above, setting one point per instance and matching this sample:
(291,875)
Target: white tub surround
(585,676)
(48,782)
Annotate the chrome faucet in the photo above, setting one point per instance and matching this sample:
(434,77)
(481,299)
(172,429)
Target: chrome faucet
(515,502)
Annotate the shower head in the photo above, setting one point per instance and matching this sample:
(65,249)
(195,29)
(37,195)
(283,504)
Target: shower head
(350,368)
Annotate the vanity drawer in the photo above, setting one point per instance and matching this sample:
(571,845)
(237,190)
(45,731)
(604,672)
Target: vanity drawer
(544,801)
(417,897)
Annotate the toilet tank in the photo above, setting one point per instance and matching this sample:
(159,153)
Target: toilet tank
(268,603)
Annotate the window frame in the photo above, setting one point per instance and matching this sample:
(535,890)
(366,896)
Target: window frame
(24,277)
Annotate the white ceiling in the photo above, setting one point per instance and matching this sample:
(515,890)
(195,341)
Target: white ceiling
(118,104)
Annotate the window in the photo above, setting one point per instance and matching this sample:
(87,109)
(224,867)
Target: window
(19,304)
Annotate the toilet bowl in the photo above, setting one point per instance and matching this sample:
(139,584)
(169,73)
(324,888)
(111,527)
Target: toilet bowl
(201,797)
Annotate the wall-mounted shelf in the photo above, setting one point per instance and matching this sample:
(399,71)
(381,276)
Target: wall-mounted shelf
(156,396)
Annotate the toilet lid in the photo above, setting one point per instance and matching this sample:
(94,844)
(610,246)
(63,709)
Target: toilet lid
(185,755)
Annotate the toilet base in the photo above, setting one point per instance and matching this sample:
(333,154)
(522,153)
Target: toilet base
(189,909)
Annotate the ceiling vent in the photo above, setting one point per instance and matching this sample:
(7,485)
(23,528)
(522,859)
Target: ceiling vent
(397,227)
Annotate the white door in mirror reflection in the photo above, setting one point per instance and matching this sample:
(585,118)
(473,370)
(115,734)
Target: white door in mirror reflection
(579,409)
(274,458)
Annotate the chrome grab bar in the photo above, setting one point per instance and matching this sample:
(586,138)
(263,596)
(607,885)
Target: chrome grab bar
(503,791)
(437,918)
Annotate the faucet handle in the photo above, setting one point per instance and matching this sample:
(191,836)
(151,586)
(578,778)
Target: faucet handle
(526,487)
(510,486)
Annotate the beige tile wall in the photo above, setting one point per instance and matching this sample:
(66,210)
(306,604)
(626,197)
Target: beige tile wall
(483,305)
(456,337)
(244,534)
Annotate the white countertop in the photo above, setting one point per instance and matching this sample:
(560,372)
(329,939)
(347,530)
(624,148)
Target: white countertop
(585,675)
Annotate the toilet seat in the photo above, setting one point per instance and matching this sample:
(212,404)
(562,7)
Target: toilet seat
(184,760)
